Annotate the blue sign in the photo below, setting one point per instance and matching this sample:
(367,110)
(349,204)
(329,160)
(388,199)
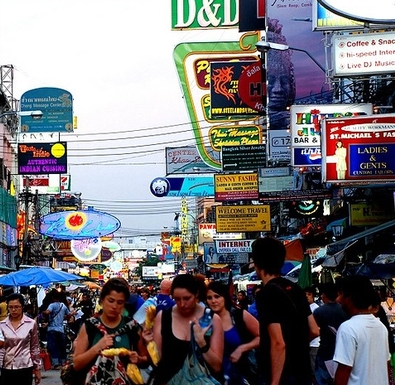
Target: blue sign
(179,187)
(372,161)
(56,105)
(83,224)
(306,156)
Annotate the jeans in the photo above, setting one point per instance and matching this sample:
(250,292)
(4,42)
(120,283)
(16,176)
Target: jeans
(322,375)
(57,347)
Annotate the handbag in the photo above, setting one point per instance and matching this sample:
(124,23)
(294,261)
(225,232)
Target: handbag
(192,371)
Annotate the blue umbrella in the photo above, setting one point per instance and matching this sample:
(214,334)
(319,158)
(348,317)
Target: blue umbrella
(37,276)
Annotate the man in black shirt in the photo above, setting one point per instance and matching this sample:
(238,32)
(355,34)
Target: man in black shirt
(286,322)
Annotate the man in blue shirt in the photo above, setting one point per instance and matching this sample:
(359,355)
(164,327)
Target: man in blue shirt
(164,301)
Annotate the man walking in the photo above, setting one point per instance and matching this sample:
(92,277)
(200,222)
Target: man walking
(329,317)
(362,351)
(286,322)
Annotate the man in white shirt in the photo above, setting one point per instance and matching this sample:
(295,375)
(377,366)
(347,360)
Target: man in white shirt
(362,351)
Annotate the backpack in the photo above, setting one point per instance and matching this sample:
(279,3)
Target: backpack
(69,375)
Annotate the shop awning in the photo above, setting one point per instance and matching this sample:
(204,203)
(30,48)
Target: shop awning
(335,247)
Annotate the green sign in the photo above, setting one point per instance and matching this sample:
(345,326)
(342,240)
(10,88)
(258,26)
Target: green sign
(203,14)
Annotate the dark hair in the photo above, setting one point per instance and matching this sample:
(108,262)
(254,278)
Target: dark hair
(120,285)
(268,253)
(222,290)
(185,281)
(310,289)
(16,297)
(359,289)
(329,289)
(256,288)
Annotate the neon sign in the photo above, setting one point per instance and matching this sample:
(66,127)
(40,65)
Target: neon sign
(83,224)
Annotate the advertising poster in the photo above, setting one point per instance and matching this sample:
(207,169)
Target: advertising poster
(306,128)
(359,149)
(42,158)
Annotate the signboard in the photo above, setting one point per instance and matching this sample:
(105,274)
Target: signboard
(227,135)
(325,20)
(48,184)
(379,11)
(208,232)
(200,14)
(363,54)
(252,15)
(86,249)
(252,87)
(185,160)
(359,149)
(42,158)
(237,158)
(242,218)
(235,187)
(56,105)
(213,256)
(83,224)
(370,214)
(224,96)
(277,183)
(306,128)
(179,187)
(279,146)
(233,246)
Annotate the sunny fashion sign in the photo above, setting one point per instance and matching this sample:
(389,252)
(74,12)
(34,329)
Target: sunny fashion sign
(359,149)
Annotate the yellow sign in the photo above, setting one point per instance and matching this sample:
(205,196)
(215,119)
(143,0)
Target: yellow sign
(231,219)
(227,185)
(365,214)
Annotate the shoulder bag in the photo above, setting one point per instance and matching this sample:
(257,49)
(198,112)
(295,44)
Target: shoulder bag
(193,372)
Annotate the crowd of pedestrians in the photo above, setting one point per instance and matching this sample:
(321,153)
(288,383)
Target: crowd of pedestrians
(336,334)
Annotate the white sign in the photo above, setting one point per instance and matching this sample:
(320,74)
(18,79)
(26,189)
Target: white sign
(279,183)
(363,54)
(279,145)
(233,246)
(306,120)
(374,11)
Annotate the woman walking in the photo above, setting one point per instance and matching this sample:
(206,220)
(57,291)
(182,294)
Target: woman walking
(21,345)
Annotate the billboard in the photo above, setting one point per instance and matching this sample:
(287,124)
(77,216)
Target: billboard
(235,187)
(325,20)
(363,54)
(306,128)
(56,105)
(82,224)
(208,232)
(370,214)
(185,160)
(378,11)
(244,218)
(187,14)
(48,184)
(42,158)
(183,186)
(359,149)
(224,85)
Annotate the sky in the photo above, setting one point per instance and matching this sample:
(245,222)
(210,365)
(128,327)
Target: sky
(116,58)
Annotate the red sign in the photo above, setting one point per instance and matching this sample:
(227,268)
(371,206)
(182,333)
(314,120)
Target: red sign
(252,87)
(359,149)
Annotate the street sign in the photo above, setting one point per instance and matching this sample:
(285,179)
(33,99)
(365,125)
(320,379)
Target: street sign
(244,157)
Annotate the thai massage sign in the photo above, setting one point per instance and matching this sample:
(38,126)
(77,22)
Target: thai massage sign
(42,158)
(83,224)
(359,149)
